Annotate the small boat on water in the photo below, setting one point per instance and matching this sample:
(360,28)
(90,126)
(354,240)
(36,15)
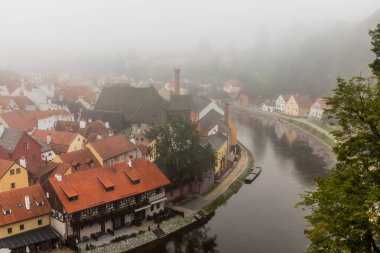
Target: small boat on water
(252,176)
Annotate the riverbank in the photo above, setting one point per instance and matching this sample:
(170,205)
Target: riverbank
(197,211)
(317,132)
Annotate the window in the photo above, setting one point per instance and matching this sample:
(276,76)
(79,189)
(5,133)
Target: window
(13,185)
(12,171)
(22,227)
(18,170)
(43,156)
(9,230)
(131,156)
(152,207)
(39,222)
(78,138)
(26,146)
(158,206)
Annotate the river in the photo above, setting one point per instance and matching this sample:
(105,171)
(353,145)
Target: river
(261,217)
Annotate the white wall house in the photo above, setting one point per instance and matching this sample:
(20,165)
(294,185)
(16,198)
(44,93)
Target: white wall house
(280,104)
(268,107)
(317,109)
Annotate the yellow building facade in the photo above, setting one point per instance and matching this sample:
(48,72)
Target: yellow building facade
(24,226)
(14,176)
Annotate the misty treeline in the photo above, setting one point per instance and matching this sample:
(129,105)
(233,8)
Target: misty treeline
(302,61)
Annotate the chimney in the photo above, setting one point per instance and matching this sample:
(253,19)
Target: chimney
(27,202)
(176,81)
(82,124)
(48,138)
(107,124)
(227,112)
(58,177)
(23,161)
(1,130)
(130,163)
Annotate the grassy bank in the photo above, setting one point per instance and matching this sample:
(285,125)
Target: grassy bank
(233,188)
(326,139)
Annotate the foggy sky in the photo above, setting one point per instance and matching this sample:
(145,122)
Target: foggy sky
(32,30)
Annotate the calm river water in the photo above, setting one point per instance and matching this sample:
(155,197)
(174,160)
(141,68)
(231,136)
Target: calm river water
(262,216)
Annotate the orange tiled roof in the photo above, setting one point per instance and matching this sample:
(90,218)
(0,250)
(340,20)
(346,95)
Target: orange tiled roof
(15,201)
(57,137)
(26,120)
(302,101)
(113,146)
(84,158)
(90,191)
(4,166)
(321,102)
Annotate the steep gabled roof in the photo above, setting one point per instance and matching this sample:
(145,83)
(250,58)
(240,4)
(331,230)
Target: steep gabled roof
(4,166)
(139,105)
(89,185)
(57,137)
(115,118)
(321,102)
(302,100)
(15,202)
(80,159)
(10,139)
(113,146)
(211,119)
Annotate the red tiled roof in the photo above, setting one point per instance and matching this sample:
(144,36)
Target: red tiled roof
(321,102)
(91,192)
(113,146)
(15,201)
(4,166)
(302,101)
(26,120)
(23,101)
(71,94)
(57,137)
(42,168)
(90,131)
(83,157)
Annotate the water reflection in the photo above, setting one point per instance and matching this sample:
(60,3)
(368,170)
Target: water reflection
(196,241)
(262,217)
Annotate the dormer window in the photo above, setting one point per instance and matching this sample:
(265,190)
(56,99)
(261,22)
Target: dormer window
(106,183)
(39,203)
(7,211)
(19,205)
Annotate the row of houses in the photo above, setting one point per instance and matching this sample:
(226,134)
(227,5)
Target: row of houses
(67,177)
(293,105)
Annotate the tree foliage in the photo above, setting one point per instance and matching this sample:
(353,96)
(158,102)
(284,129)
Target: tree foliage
(179,149)
(345,209)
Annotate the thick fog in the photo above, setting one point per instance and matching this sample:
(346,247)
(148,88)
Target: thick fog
(113,35)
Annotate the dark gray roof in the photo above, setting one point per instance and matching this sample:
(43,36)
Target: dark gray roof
(211,119)
(45,147)
(31,237)
(199,103)
(139,105)
(10,138)
(218,94)
(115,118)
(188,103)
(181,102)
(224,126)
(215,140)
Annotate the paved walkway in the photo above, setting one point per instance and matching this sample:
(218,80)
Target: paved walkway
(194,204)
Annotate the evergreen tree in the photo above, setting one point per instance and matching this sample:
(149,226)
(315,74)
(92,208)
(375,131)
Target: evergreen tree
(345,209)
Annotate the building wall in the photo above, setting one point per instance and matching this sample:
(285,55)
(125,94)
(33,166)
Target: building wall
(49,155)
(291,107)
(121,158)
(59,226)
(221,153)
(28,148)
(47,123)
(20,179)
(28,225)
(96,154)
(77,144)
(303,111)
(280,104)
(316,113)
